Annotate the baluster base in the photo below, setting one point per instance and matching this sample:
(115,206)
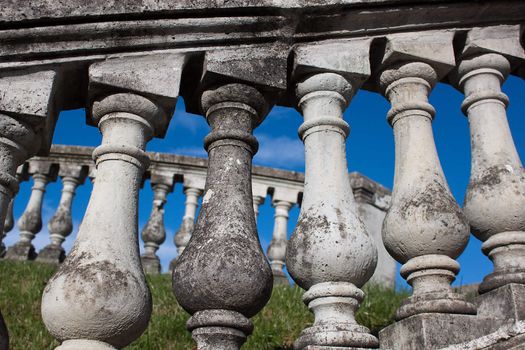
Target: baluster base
(436,302)
(507,252)
(150,264)
(51,254)
(500,279)
(219,329)
(21,251)
(279,278)
(336,336)
(84,344)
(334,305)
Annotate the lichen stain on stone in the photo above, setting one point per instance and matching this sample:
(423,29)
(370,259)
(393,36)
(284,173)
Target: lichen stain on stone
(343,228)
(492,178)
(31,221)
(61,222)
(434,201)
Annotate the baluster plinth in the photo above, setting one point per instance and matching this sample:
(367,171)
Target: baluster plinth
(222,278)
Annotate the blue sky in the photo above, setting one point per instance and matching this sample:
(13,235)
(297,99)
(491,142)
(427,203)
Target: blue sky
(370,150)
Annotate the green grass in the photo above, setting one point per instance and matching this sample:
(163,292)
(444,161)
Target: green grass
(276,326)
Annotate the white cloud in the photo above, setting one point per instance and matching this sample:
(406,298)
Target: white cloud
(280,152)
(191,122)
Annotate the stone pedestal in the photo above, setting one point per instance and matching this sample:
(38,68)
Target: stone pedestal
(504,303)
(52,254)
(434,331)
(21,251)
(279,278)
(150,264)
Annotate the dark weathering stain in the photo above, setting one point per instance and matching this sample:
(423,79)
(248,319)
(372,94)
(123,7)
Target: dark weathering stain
(434,200)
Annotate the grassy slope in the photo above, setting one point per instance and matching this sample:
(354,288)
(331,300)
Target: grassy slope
(276,326)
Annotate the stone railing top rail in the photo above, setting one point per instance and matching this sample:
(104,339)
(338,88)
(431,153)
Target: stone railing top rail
(26,10)
(172,168)
(47,32)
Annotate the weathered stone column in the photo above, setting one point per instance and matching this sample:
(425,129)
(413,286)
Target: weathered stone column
(495,199)
(61,224)
(193,188)
(183,235)
(26,106)
(222,278)
(277,247)
(154,233)
(30,223)
(259,193)
(424,228)
(330,254)
(99,299)
(257,202)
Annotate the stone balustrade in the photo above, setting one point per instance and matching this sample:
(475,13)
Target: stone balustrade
(167,172)
(128,63)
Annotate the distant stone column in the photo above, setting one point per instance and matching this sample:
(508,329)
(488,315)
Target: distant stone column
(183,235)
(61,224)
(257,202)
(223,278)
(30,223)
(495,198)
(154,233)
(277,247)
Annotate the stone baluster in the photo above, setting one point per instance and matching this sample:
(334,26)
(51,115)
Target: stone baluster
(277,247)
(424,228)
(61,224)
(222,278)
(26,106)
(99,299)
(193,188)
(495,198)
(183,235)
(30,223)
(330,254)
(154,233)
